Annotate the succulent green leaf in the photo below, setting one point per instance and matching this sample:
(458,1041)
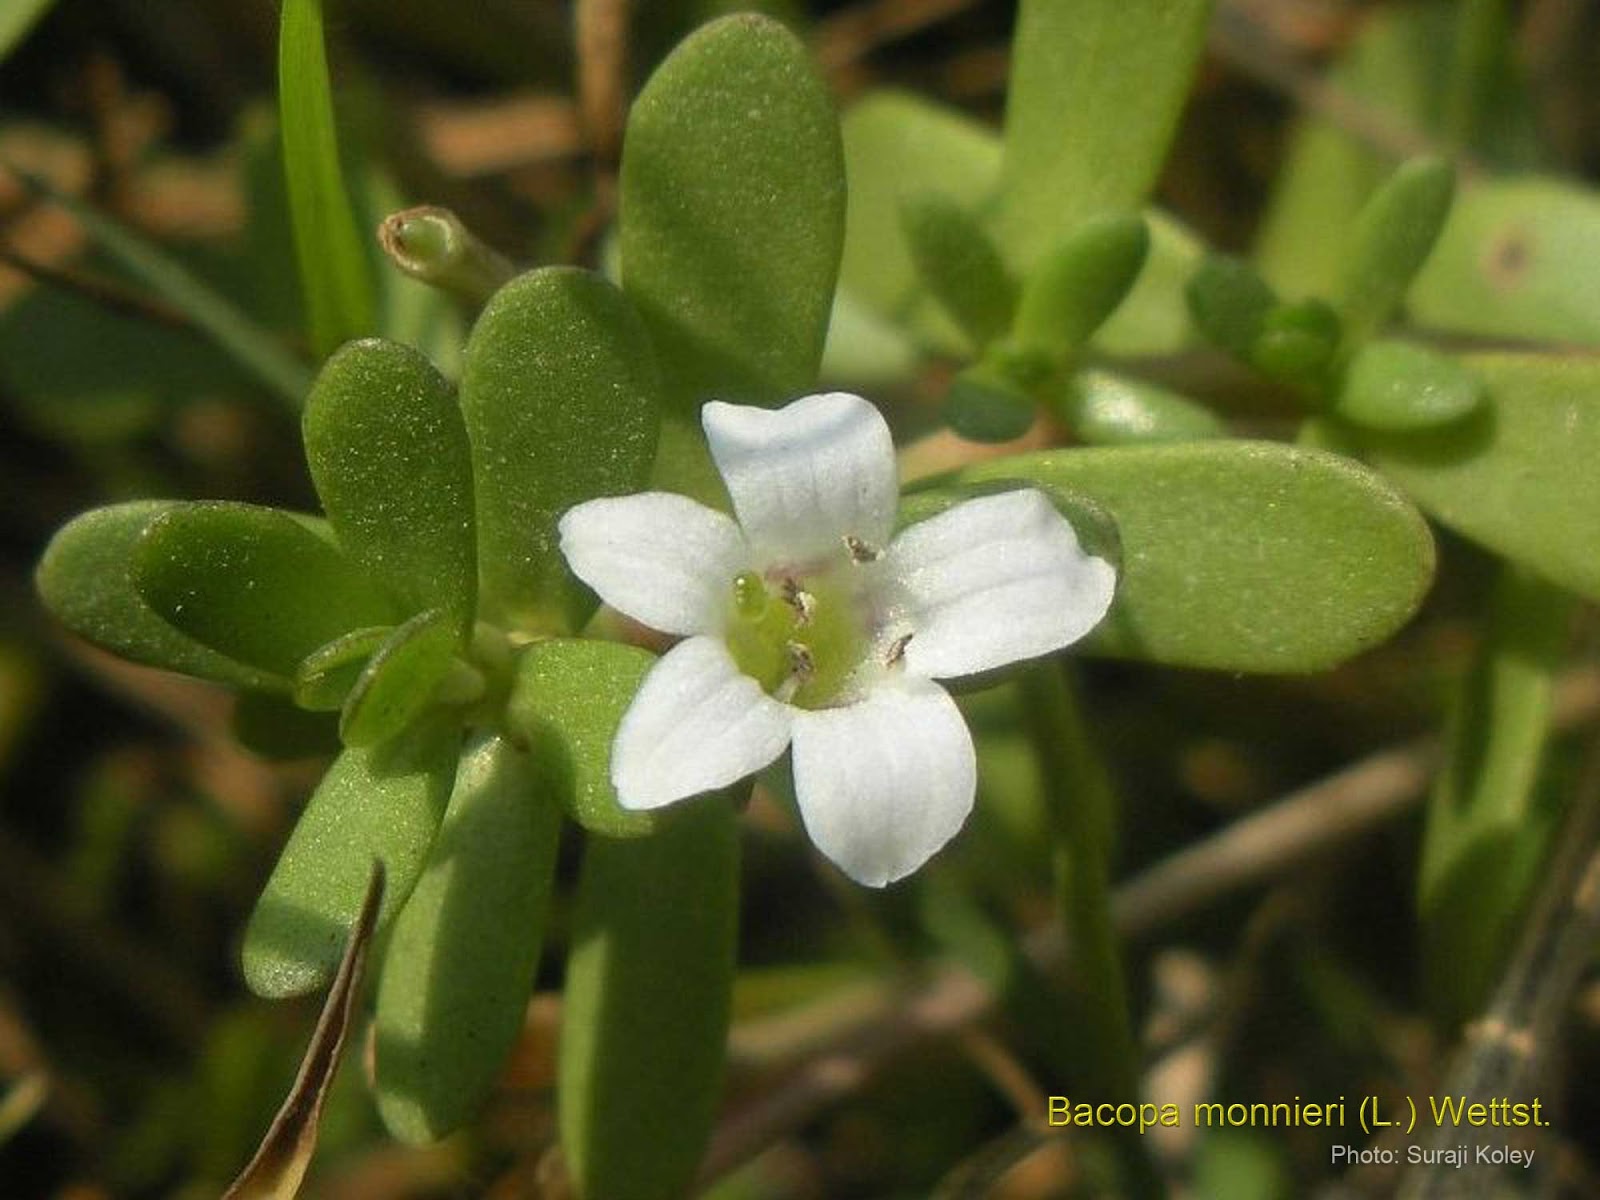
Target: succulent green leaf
(959,265)
(897,145)
(254,583)
(1516,260)
(1079,283)
(646,1011)
(1397,386)
(1298,344)
(732,213)
(388,452)
(1106,409)
(1518,476)
(335,266)
(566,702)
(461,963)
(381,802)
(86,579)
(1393,238)
(269,725)
(1229,303)
(983,405)
(399,680)
(560,395)
(1096,90)
(1244,556)
(326,675)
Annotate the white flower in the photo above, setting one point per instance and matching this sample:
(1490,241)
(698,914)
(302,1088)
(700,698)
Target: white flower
(806,625)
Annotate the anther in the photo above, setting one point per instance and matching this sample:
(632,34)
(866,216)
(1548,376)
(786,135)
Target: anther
(803,602)
(801,668)
(860,552)
(897,650)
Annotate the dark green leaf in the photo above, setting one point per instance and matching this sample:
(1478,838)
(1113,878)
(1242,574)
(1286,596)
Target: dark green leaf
(86,579)
(1519,475)
(382,803)
(388,452)
(1229,302)
(1396,387)
(327,674)
(461,963)
(1244,556)
(254,583)
(984,406)
(1297,344)
(560,396)
(566,703)
(647,1003)
(959,265)
(1096,89)
(335,269)
(399,680)
(1393,238)
(1078,284)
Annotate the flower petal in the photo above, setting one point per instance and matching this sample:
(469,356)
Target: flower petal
(807,475)
(885,782)
(660,558)
(992,581)
(697,724)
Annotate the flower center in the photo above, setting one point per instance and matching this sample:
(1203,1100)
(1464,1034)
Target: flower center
(800,639)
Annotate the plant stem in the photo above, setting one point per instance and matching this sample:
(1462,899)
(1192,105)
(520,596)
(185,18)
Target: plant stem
(1486,835)
(1082,812)
(1476,55)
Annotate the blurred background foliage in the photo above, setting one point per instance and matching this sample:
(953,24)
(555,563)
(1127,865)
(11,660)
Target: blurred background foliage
(135,834)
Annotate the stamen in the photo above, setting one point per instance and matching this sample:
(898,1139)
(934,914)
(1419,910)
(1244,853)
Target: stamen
(801,668)
(803,602)
(860,552)
(897,650)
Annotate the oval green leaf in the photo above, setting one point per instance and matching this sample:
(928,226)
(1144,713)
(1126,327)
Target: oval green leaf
(1519,475)
(1104,409)
(1516,260)
(388,452)
(1244,556)
(559,391)
(1398,387)
(649,981)
(384,803)
(461,963)
(86,579)
(959,265)
(399,680)
(327,674)
(732,214)
(566,702)
(256,584)
(1079,283)
(1393,238)
(1095,93)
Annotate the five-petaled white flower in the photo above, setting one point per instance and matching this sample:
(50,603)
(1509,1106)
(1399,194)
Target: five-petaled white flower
(806,625)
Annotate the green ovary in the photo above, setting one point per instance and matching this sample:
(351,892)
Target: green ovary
(811,643)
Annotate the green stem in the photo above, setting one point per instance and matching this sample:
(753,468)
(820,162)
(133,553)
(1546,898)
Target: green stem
(1082,813)
(1486,834)
(1480,38)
